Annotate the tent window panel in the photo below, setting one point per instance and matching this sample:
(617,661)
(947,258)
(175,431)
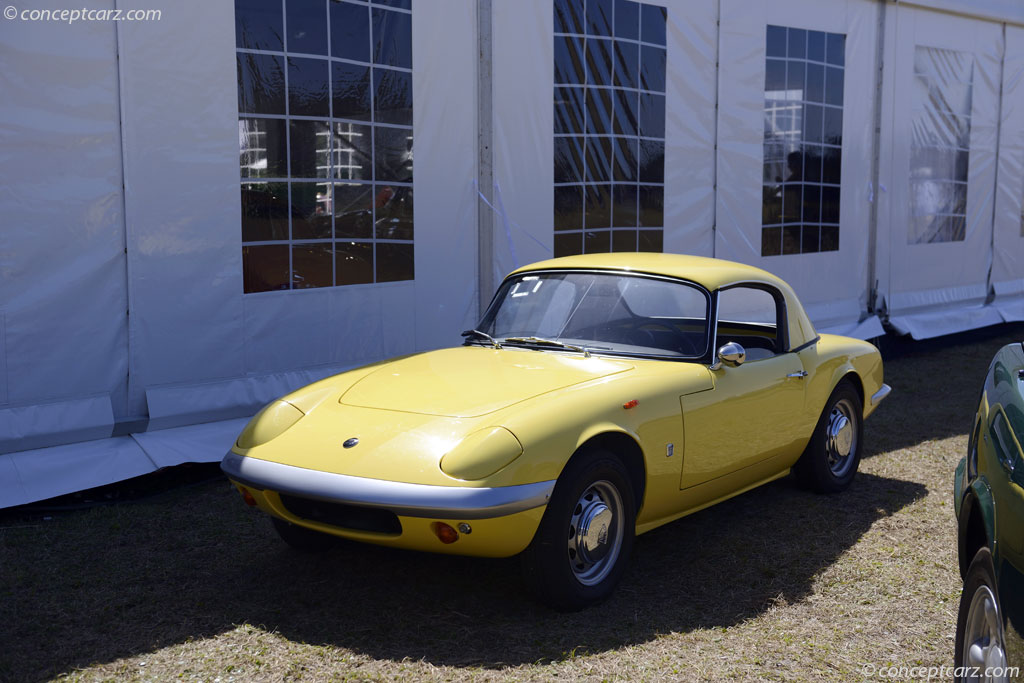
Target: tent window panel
(568,243)
(803,137)
(350,87)
(624,203)
(353,210)
(569,160)
(393,213)
(353,263)
(394,262)
(260,83)
(624,240)
(310,148)
(599,152)
(259,25)
(393,154)
(597,206)
(308,87)
(392,38)
(569,65)
(265,268)
(263,148)
(627,64)
(610,68)
(311,211)
(264,212)
(568,207)
(569,16)
(627,19)
(393,96)
(330,141)
(940,144)
(307,26)
(597,242)
(312,265)
(626,156)
(350,36)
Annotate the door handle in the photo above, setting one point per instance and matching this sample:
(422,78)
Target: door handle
(797,375)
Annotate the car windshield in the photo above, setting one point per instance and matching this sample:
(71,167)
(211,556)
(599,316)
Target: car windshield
(602,312)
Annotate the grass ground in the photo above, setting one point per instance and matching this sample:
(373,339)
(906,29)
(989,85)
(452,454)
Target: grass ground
(777,584)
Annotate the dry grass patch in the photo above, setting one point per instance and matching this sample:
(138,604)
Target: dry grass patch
(778,584)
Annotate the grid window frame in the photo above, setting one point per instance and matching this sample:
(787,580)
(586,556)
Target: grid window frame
(382,248)
(803,141)
(609,113)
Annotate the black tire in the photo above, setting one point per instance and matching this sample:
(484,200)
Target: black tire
(979,590)
(823,467)
(562,571)
(303,539)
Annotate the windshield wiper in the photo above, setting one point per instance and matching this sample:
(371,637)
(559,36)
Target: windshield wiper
(482,335)
(541,341)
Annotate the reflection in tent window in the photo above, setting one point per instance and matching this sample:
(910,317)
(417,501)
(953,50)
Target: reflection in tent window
(940,135)
(803,140)
(609,105)
(325,146)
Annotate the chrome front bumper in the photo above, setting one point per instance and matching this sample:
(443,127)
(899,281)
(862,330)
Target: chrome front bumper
(410,500)
(877,397)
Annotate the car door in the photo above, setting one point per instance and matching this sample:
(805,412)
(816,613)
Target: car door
(1007,485)
(752,414)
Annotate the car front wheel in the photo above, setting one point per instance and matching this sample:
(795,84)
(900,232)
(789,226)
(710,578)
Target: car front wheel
(583,543)
(830,460)
(979,624)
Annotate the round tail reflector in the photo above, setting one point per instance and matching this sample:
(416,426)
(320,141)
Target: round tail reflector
(444,533)
(247,497)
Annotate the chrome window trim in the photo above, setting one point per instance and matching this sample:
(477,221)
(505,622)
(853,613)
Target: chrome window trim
(402,498)
(782,311)
(627,273)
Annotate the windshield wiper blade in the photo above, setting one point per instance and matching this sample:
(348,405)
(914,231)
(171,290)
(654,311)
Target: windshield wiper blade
(541,341)
(482,335)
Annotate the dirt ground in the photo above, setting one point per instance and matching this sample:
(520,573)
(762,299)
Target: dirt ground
(777,584)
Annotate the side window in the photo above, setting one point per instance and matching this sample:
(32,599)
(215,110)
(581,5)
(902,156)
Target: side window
(1007,448)
(751,317)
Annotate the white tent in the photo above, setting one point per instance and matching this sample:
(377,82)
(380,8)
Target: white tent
(131,333)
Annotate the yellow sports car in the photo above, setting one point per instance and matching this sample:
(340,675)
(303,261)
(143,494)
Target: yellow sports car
(599,397)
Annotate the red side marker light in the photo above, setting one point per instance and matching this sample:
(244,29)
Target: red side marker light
(247,497)
(631,404)
(444,532)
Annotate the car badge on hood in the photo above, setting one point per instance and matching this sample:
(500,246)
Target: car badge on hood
(349,443)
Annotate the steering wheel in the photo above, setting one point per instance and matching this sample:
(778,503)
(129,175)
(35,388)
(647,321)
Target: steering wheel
(685,344)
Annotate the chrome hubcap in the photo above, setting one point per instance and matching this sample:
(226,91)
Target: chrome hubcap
(595,533)
(841,437)
(983,635)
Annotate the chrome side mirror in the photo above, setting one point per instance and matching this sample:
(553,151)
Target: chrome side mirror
(731,354)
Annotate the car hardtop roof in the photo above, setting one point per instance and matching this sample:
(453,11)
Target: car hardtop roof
(712,273)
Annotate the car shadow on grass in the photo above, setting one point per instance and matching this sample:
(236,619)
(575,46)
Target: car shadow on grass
(109,583)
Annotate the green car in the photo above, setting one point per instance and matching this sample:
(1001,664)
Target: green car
(989,503)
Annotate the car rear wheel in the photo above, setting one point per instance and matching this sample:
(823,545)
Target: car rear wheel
(830,460)
(582,546)
(979,624)
(303,539)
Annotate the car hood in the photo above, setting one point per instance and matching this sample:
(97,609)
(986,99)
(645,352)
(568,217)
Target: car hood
(471,381)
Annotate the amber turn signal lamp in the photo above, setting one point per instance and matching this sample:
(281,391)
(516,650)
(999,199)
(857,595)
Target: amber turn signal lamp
(247,497)
(631,404)
(444,533)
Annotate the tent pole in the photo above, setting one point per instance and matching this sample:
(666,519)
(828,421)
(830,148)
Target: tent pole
(876,153)
(485,156)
